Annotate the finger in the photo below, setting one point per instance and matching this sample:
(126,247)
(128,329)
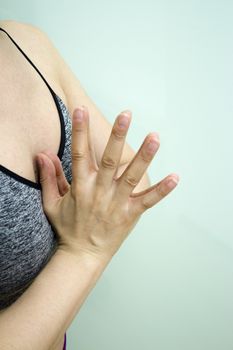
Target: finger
(63,184)
(79,146)
(48,181)
(93,160)
(139,202)
(113,151)
(132,175)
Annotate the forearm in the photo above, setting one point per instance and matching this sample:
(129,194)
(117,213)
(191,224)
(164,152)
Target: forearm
(46,309)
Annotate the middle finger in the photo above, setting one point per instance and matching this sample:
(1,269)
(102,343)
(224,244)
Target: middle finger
(112,153)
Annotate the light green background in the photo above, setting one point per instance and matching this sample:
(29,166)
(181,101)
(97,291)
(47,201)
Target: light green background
(170,287)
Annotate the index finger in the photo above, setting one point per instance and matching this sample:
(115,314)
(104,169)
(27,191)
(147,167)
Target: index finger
(79,145)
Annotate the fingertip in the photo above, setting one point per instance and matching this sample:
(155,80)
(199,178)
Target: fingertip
(44,161)
(175,177)
(78,114)
(40,160)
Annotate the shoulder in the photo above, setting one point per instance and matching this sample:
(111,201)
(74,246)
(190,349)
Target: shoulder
(27,34)
(36,43)
(24,27)
(30,37)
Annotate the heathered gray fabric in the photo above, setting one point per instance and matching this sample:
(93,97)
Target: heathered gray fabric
(27,239)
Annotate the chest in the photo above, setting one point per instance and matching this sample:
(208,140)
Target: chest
(29,118)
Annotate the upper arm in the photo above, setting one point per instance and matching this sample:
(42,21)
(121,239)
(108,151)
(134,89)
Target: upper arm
(40,47)
(100,128)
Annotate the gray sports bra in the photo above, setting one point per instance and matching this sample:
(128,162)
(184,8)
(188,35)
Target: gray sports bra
(27,239)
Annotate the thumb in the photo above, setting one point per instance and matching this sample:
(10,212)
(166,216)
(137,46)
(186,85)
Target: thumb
(48,180)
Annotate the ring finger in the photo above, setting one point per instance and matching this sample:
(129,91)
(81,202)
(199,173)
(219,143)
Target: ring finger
(132,175)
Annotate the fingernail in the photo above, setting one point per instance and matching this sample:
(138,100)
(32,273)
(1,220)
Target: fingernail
(155,135)
(79,114)
(124,119)
(172,183)
(152,146)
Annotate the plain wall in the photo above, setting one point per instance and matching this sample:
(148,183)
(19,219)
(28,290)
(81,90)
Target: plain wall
(170,287)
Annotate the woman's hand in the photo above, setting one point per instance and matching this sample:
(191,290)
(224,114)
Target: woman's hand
(97,211)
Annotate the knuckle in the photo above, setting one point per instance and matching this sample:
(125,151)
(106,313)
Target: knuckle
(117,135)
(42,179)
(130,180)
(161,192)
(78,155)
(145,205)
(145,157)
(50,174)
(108,162)
(78,129)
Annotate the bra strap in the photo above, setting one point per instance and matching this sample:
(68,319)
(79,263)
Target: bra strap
(29,61)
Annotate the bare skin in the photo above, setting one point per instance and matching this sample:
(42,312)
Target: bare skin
(28,115)
(98,210)
(31,127)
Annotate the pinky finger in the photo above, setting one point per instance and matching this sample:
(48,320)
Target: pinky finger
(146,199)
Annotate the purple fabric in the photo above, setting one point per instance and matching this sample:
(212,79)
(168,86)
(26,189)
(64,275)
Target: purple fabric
(64,348)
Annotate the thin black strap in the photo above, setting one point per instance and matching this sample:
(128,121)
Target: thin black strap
(55,97)
(29,61)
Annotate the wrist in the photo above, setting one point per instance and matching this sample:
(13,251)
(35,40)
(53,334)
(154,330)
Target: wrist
(84,255)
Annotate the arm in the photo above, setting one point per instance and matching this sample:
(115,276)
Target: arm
(65,282)
(50,303)
(32,39)
(75,92)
